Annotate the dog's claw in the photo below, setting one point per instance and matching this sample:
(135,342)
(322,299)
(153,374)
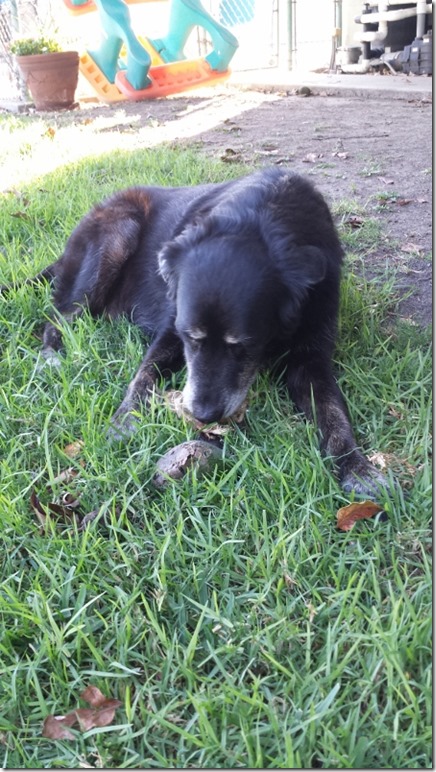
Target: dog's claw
(123,425)
(368,482)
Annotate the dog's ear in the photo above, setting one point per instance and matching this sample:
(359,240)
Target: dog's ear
(313,263)
(302,269)
(168,265)
(171,255)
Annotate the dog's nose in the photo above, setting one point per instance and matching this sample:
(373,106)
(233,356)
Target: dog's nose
(207,415)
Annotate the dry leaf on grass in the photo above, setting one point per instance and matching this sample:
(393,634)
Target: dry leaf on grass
(312,158)
(360,510)
(101,713)
(94,697)
(65,512)
(355,221)
(230,156)
(395,413)
(400,467)
(411,249)
(74,448)
(66,476)
(22,215)
(312,611)
(44,511)
(56,727)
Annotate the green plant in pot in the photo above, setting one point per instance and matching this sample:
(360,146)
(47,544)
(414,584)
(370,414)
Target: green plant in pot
(50,74)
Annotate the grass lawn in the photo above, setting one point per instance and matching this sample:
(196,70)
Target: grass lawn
(237,626)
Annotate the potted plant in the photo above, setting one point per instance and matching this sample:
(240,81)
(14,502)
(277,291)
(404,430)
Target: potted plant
(50,74)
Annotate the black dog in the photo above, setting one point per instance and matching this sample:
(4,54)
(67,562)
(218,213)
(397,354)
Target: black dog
(225,277)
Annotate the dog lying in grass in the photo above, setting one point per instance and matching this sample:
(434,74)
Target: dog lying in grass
(225,278)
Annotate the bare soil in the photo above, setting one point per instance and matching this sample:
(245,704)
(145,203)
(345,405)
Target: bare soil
(374,153)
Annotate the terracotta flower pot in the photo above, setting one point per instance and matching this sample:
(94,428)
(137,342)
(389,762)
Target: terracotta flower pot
(51,78)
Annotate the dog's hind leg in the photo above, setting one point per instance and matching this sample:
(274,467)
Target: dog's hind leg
(164,356)
(88,273)
(52,338)
(314,390)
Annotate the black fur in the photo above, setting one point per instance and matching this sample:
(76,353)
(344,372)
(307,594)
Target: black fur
(225,277)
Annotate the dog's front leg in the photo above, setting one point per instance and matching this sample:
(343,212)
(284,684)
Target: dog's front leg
(164,354)
(313,388)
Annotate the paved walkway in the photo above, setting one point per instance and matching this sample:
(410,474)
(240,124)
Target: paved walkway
(399,86)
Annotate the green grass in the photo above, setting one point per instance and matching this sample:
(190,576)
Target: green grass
(237,626)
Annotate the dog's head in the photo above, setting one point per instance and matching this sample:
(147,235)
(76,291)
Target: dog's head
(234,295)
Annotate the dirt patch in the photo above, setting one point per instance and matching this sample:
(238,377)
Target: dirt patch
(375,154)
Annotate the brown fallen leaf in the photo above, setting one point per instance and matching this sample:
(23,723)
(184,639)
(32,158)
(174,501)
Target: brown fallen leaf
(89,718)
(231,156)
(4,740)
(21,215)
(94,697)
(74,448)
(359,510)
(56,727)
(354,220)
(312,158)
(399,466)
(66,476)
(101,713)
(404,201)
(396,413)
(289,581)
(412,249)
(43,511)
(267,152)
(70,500)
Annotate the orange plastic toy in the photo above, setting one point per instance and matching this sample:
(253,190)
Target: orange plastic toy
(171,78)
(127,66)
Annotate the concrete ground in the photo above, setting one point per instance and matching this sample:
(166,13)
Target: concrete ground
(371,85)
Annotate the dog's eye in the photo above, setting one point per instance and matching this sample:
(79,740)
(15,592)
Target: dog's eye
(235,347)
(194,341)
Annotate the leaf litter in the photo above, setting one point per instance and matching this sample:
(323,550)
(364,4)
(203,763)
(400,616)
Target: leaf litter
(65,508)
(100,713)
(360,510)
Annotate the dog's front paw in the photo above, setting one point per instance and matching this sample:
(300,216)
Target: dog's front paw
(364,479)
(123,424)
(49,357)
